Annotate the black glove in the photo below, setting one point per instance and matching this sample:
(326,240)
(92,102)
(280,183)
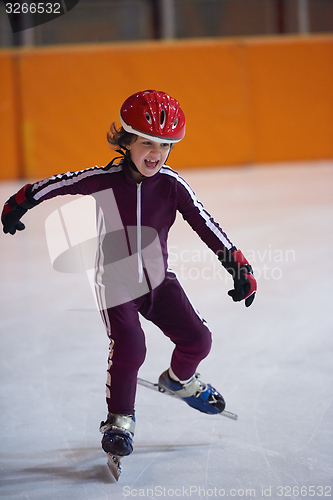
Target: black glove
(245,284)
(15,208)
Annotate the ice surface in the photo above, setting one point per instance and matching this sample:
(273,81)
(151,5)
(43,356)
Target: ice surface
(273,362)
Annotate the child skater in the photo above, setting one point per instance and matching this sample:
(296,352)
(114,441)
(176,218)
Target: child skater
(148,194)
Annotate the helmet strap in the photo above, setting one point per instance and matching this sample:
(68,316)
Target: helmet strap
(125,155)
(132,165)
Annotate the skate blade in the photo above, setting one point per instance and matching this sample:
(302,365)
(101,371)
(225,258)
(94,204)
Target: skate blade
(114,465)
(229,414)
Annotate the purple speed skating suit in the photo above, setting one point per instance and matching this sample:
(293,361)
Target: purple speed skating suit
(148,206)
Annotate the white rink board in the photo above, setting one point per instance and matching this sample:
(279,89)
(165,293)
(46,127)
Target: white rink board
(272,361)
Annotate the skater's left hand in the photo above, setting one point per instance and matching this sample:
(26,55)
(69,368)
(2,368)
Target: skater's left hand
(245,284)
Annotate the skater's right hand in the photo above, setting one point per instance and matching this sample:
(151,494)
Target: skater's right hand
(14,209)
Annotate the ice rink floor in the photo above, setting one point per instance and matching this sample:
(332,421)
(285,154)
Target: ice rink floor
(273,362)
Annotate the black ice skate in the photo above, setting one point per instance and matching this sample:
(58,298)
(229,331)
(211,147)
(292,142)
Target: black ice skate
(202,397)
(117,440)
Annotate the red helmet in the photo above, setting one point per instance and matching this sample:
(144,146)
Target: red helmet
(153,115)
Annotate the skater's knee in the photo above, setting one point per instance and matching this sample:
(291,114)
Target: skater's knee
(203,342)
(129,356)
(128,347)
(196,350)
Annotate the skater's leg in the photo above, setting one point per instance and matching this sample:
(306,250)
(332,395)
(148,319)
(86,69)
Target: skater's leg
(171,310)
(126,355)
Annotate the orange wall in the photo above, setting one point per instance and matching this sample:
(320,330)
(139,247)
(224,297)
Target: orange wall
(245,100)
(9,120)
(291,98)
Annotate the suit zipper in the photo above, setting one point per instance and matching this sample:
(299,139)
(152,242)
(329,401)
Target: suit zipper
(138,232)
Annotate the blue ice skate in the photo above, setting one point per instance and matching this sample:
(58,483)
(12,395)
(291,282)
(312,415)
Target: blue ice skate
(118,433)
(202,397)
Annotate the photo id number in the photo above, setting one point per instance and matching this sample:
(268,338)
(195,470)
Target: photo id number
(33,8)
(301,491)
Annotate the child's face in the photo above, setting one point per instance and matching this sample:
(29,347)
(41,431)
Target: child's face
(148,156)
